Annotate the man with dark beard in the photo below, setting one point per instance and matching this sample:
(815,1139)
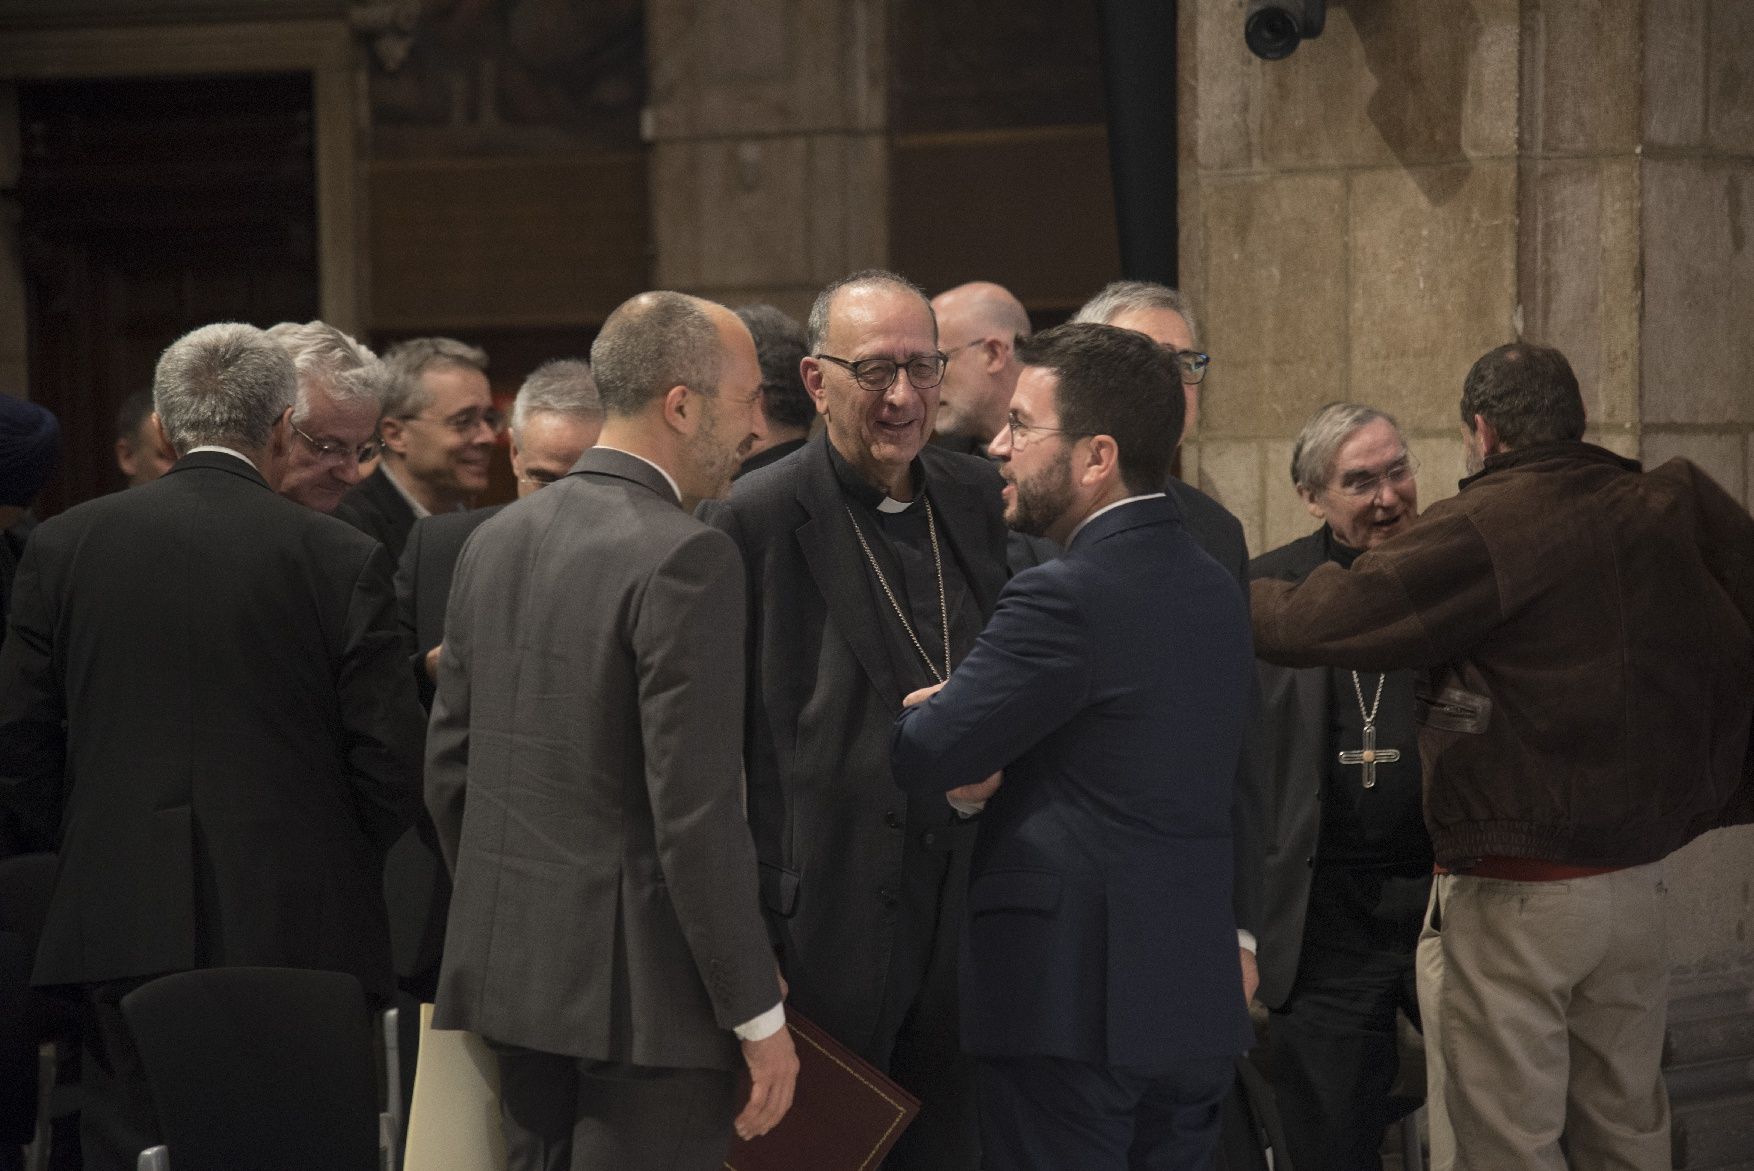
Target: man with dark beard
(1102,993)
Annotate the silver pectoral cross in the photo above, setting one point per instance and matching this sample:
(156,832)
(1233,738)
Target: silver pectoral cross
(1370,756)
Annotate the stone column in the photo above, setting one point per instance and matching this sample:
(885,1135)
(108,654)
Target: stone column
(1431,178)
(767,119)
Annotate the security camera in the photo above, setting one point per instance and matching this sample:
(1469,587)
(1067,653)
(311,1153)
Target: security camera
(1273,28)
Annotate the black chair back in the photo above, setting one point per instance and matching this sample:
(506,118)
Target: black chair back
(269,1069)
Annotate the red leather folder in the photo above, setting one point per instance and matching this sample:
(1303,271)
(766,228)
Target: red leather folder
(845,1114)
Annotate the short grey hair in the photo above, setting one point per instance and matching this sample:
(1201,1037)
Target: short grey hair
(224,384)
(1118,297)
(1320,441)
(816,328)
(564,387)
(408,360)
(347,371)
(651,343)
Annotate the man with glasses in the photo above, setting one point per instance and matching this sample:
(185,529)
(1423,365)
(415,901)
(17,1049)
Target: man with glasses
(1166,317)
(555,418)
(439,429)
(341,387)
(978,327)
(872,561)
(1102,998)
(1347,882)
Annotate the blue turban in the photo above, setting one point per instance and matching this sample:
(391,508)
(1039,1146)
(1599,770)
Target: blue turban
(30,443)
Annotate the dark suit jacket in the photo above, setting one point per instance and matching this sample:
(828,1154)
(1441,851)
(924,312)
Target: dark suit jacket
(583,773)
(1212,526)
(423,583)
(376,508)
(416,885)
(1113,686)
(241,743)
(1289,755)
(1220,535)
(822,697)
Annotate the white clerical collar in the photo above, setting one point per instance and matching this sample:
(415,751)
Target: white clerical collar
(1110,508)
(668,478)
(231,451)
(420,510)
(891,504)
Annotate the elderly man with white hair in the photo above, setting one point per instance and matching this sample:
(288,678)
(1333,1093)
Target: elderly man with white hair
(1347,883)
(341,390)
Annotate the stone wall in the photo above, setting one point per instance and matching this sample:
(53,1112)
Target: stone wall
(769,164)
(1431,178)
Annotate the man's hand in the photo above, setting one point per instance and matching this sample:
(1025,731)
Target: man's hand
(432,658)
(773,1074)
(915,698)
(1251,974)
(977,793)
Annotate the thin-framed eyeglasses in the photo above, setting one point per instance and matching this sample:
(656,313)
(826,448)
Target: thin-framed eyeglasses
(466,422)
(1364,485)
(1018,428)
(955,350)
(877,375)
(339,452)
(1192,362)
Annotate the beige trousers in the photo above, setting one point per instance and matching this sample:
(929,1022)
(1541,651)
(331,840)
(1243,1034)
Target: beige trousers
(1544,1005)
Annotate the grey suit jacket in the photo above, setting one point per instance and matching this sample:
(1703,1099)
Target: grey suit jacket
(583,774)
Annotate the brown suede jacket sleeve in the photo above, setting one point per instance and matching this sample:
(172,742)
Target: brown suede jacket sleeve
(1725,533)
(1419,599)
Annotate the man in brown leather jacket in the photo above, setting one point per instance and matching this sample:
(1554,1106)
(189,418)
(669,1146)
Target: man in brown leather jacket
(1585,629)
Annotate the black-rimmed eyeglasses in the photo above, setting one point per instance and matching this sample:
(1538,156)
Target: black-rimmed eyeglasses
(877,375)
(1192,362)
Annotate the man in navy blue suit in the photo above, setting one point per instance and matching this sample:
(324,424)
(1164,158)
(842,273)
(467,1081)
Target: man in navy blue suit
(1102,994)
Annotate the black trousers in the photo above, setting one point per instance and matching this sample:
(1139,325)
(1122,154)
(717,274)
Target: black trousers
(116,1117)
(1333,1041)
(562,1113)
(919,1043)
(1052,1114)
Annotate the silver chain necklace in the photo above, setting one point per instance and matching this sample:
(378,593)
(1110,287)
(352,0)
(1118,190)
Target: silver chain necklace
(1369,756)
(943,607)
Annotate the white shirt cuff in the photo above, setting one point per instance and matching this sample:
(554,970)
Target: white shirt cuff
(1246,941)
(965,808)
(763,1026)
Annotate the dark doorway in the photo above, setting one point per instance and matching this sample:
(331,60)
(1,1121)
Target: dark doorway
(147,208)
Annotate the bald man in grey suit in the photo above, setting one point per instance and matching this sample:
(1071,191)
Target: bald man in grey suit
(583,772)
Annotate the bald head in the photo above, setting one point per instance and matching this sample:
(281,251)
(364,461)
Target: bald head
(978,324)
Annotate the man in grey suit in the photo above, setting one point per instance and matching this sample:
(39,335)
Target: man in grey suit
(583,774)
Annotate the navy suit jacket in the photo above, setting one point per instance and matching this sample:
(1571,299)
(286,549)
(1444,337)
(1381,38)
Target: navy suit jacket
(1113,686)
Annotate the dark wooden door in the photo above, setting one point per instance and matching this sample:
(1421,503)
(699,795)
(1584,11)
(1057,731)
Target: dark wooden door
(148,208)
